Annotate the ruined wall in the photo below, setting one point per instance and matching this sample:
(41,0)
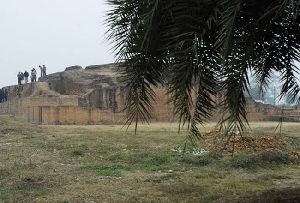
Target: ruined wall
(94,95)
(65,110)
(97,106)
(77,115)
(162,110)
(37,110)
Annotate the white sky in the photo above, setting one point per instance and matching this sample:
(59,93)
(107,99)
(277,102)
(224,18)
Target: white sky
(57,33)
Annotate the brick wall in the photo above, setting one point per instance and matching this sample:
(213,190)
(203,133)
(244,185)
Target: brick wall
(66,109)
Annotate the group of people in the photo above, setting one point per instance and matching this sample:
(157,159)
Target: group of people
(24,76)
(3,95)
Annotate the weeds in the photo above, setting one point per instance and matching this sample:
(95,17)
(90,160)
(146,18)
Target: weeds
(263,159)
(133,162)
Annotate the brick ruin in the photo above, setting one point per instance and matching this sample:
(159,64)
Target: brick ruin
(94,95)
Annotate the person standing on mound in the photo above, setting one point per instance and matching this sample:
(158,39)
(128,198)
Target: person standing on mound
(26,75)
(19,78)
(44,69)
(33,75)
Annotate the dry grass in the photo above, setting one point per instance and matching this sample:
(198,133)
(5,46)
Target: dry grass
(110,164)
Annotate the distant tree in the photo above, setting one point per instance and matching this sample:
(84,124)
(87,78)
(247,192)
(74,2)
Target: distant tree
(198,48)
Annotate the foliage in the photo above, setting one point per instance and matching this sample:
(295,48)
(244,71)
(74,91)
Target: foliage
(200,49)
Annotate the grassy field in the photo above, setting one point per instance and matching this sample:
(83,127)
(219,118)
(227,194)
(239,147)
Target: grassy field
(109,164)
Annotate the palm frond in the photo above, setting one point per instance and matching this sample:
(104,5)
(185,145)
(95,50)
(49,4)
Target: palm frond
(230,10)
(192,47)
(142,70)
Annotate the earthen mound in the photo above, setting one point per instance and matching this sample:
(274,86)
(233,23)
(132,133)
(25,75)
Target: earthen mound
(73,68)
(216,142)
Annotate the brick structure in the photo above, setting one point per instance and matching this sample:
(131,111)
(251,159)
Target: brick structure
(94,95)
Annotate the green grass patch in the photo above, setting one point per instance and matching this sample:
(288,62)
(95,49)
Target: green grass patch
(203,160)
(113,170)
(120,163)
(241,160)
(155,162)
(162,160)
(263,160)
(6,194)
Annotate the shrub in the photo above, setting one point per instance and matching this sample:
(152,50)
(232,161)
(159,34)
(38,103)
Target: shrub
(263,159)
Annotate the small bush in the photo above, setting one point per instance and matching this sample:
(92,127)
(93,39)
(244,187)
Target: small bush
(264,159)
(276,157)
(242,161)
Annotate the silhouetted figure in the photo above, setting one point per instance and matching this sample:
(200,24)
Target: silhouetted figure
(22,76)
(33,75)
(19,78)
(44,69)
(26,75)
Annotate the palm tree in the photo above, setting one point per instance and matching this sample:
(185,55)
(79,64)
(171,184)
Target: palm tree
(198,49)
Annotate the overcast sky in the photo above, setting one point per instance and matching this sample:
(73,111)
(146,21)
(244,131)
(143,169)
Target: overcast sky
(57,33)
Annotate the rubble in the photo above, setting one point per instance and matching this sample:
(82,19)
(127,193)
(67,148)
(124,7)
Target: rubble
(214,141)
